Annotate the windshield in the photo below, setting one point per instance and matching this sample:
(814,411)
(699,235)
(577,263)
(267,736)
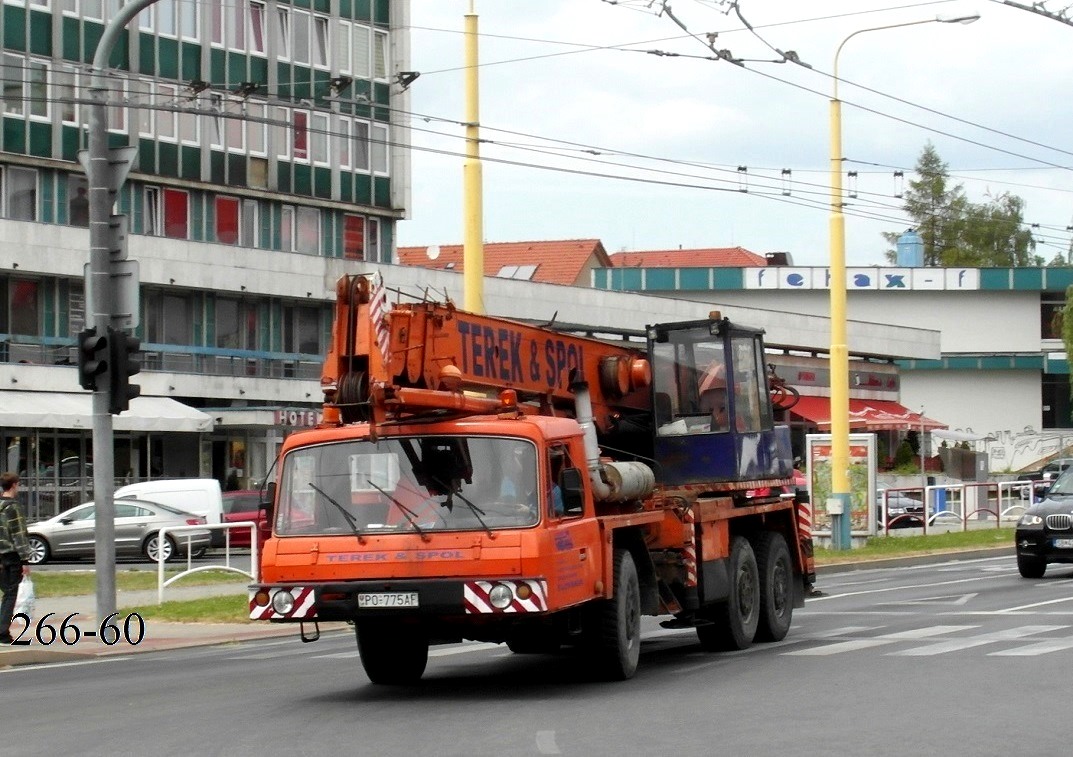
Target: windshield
(1063,485)
(415,484)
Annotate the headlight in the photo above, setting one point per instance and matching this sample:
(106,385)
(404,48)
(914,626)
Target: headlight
(500,596)
(283,602)
(1029,519)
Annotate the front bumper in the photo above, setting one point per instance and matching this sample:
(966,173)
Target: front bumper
(330,601)
(1041,543)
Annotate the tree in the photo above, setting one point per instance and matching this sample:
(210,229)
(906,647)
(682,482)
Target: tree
(937,209)
(1067,330)
(957,232)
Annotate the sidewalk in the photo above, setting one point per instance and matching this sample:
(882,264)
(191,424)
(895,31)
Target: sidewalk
(157,635)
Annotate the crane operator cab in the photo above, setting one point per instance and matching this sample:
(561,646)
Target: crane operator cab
(714,417)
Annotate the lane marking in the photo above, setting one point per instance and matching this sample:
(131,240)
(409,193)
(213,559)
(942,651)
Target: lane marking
(1035,604)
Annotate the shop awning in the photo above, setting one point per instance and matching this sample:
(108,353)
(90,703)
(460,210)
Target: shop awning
(865,415)
(75,410)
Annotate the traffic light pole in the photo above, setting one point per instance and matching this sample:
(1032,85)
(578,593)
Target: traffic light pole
(102,300)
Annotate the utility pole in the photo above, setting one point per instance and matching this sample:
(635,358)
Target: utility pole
(111,299)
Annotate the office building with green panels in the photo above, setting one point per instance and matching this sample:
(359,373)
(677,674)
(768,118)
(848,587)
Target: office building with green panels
(271,158)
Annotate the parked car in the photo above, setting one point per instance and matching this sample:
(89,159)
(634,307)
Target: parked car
(72,534)
(1043,477)
(244,504)
(902,511)
(1044,533)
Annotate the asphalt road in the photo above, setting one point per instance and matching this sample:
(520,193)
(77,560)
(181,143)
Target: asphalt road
(956,658)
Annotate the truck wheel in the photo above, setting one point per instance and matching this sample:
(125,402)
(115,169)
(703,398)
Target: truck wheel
(392,654)
(776,587)
(734,621)
(619,644)
(1031,567)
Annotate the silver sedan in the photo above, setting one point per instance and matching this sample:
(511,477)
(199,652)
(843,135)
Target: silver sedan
(71,534)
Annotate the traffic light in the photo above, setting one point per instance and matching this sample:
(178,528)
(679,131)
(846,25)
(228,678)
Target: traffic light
(92,358)
(123,363)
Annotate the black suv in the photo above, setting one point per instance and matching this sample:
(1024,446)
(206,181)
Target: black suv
(1045,532)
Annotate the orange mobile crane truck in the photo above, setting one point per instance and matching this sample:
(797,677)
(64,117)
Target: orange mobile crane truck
(481,478)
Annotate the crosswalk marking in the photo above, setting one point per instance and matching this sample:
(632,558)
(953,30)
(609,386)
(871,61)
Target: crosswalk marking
(1031,650)
(956,645)
(878,641)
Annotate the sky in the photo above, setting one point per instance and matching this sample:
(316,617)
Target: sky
(586,135)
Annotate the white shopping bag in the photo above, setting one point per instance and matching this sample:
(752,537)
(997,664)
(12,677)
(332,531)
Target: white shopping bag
(26,599)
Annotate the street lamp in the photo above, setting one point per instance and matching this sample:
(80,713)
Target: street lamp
(839,504)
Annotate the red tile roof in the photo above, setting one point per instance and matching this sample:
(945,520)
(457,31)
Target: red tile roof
(558,262)
(729,257)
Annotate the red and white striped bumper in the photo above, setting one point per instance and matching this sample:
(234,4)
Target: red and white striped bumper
(475,596)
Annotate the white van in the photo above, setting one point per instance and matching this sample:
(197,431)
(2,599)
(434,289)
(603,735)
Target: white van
(200,496)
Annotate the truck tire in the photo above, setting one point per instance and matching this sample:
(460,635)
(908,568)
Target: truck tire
(776,587)
(619,623)
(734,621)
(392,654)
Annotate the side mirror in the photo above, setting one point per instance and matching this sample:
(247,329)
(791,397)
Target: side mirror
(268,503)
(573,490)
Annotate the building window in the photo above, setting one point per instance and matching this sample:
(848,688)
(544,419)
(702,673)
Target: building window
(307,235)
(13,85)
(249,223)
(188,121)
(19,189)
(64,83)
(38,89)
(362,47)
(281,133)
(286,229)
(178,321)
(176,214)
(256,115)
(373,246)
(301,330)
(300,23)
(236,30)
(152,225)
(227,220)
(342,46)
(361,146)
(141,94)
(319,138)
(257,28)
(380,51)
(353,237)
(77,200)
(165,120)
(165,17)
(1051,318)
(300,144)
(379,148)
(228,330)
(188,20)
(216,16)
(283,33)
(25,308)
(342,132)
(320,41)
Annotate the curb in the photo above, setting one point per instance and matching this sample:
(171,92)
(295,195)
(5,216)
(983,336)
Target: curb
(914,560)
